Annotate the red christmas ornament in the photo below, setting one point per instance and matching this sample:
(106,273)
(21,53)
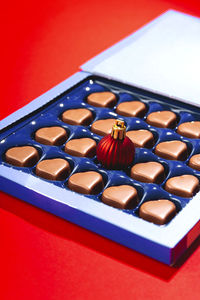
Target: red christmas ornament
(116,150)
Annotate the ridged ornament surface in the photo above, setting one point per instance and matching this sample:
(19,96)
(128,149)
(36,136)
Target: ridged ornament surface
(114,153)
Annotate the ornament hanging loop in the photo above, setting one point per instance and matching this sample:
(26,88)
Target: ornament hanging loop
(118,130)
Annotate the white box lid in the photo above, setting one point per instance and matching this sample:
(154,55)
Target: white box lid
(163,57)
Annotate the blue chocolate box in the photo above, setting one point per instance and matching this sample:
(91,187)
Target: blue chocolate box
(143,67)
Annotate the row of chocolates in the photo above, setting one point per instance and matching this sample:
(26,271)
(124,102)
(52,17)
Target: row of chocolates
(161,119)
(91,182)
(58,169)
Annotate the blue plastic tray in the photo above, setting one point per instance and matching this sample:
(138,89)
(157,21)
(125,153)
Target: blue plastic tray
(165,243)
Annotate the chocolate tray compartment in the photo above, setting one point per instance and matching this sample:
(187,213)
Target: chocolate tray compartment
(42,123)
(120,178)
(162,195)
(84,165)
(23,133)
(167,135)
(14,141)
(51,152)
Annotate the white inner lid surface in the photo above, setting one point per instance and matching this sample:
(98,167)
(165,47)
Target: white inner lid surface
(162,57)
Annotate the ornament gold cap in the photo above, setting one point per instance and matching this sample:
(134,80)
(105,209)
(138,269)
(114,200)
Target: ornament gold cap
(118,130)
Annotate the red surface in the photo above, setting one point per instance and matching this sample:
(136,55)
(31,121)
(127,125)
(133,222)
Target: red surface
(41,256)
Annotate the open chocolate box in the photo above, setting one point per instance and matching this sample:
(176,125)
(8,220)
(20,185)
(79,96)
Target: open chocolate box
(137,92)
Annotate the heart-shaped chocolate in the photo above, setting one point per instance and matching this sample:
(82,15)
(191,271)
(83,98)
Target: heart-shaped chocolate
(151,172)
(141,138)
(121,196)
(185,186)
(102,127)
(190,129)
(173,150)
(89,182)
(77,116)
(163,119)
(102,99)
(53,169)
(24,156)
(54,135)
(194,162)
(131,109)
(157,211)
(84,147)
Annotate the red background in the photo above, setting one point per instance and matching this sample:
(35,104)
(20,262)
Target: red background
(41,256)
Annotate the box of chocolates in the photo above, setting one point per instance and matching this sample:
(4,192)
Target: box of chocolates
(111,154)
